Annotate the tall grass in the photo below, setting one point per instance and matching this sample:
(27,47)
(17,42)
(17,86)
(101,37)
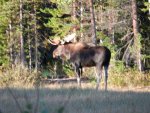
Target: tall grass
(121,78)
(17,76)
(129,78)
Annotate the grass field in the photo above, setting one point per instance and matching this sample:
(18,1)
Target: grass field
(69,99)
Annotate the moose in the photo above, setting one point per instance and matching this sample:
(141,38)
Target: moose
(83,55)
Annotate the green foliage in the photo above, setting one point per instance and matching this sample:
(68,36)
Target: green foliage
(119,66)
(45,73)
(6,14)
(68,70)
(60,25)
(3,51)
(3,38)
(147,4)
(139,39)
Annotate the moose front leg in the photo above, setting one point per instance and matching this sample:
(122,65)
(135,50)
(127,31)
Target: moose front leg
(78,77)
(78,74)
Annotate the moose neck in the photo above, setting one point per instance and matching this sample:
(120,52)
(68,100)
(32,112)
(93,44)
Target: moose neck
(67,50)
(69,47)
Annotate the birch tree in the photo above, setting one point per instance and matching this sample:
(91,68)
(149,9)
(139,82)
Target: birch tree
(22,57)
(35,35)
(81,20)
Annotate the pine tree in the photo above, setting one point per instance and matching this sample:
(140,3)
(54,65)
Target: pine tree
(5,33)
(60,21)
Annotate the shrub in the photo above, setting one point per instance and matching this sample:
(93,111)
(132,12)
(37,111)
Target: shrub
(129,78)
(18,76)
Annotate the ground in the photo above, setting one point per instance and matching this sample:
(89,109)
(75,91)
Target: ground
(67,98)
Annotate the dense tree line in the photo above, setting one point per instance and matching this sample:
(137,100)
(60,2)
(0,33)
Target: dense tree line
(25,26)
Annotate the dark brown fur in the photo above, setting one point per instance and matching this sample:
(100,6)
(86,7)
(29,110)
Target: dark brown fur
(83,55)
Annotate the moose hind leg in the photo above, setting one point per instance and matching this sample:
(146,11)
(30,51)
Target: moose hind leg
(106,76)
(99,76)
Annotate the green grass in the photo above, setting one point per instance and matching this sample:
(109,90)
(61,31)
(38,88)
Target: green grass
(69,99)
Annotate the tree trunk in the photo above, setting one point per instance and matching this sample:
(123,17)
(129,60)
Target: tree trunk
(74,16)
(137,43)
(30,52)
(22,60)
(10,43)
(35,35)
(81,21)
(149,6)
(93,25)
(111,22)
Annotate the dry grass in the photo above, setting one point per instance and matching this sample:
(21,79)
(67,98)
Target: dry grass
(66,98)
(18,76)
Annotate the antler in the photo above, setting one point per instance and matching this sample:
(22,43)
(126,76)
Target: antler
(54,42)
(57,41)
(68,38)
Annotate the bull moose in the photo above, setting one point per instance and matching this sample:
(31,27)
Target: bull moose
(83,55)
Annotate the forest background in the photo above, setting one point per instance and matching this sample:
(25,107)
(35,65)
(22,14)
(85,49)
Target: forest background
(121,25)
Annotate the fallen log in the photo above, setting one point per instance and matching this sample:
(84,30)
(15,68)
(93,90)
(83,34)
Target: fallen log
(62,80)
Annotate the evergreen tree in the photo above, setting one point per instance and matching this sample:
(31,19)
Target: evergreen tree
(60,21)
(57,18)
(5,35)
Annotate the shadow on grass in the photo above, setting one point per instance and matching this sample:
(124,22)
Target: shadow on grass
(72,100)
